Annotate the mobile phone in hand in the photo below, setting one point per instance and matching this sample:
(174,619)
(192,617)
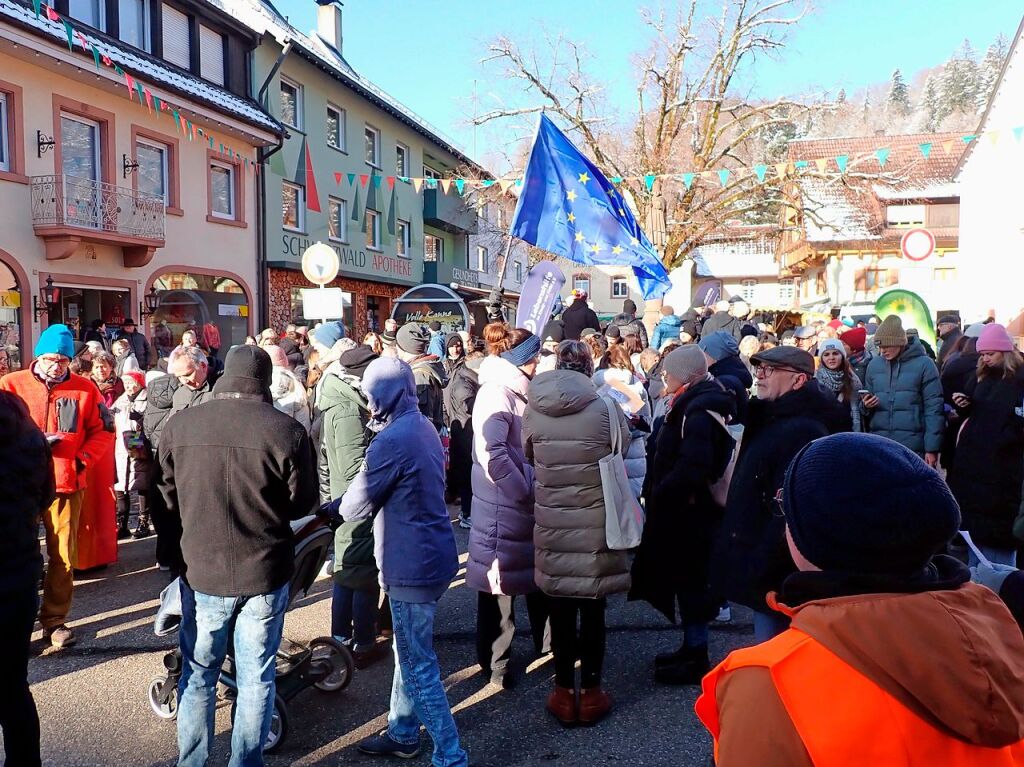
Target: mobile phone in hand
(53,439)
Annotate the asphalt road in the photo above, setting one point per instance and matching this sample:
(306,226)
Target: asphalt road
(93,707)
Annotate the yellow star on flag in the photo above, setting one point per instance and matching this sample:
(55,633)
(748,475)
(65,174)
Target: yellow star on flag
(634,241)
(579,237)
(596,247)
(571,217)
(584,178)
(571,196)
(616,250)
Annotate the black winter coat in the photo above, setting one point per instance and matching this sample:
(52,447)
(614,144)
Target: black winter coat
(630,325)
(459,396)
(26,489)
(751,557)
(986,476)
(237,489)
(724,321)
(141,348)
(737,379)
(682,518)
(948,342)
(577,318)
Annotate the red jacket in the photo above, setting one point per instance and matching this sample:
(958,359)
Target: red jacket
(72,410)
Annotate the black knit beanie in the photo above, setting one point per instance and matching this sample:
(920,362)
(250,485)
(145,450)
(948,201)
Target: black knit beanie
(355,361)
(861,503)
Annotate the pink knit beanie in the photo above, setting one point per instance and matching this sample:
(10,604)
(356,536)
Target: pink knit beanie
(994,338)
(277,355)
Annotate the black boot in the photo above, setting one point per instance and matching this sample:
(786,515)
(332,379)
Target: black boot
(690,668)
(143,530)
(663,659)
(124,508)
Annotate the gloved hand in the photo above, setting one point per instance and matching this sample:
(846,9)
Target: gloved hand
(991,575)
(494,301)
(328,512)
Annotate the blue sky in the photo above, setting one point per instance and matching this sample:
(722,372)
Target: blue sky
(426,53)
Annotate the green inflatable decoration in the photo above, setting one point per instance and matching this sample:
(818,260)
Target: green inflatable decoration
(909,307)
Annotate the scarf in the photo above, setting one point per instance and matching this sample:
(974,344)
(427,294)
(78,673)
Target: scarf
(37,371)
(833,380)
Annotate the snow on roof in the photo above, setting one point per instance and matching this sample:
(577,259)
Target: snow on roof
(746,257)
(146,68)
(264,18)
(836,212)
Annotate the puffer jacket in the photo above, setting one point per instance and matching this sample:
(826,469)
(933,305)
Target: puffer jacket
(635,456)
(667,329)
(133,470)
(631,325)
(910,393)
(345,438)
(501,539)
(290,396)
(26,489)
(73,409)
(567,431)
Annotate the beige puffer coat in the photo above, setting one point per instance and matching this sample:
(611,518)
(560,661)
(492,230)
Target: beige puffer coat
(566,431)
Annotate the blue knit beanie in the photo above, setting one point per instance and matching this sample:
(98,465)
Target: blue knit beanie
(329,333)
(719,345)
(891,520)
(523,352)
(56,339)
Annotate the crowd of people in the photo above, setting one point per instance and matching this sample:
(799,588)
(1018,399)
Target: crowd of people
(786,470)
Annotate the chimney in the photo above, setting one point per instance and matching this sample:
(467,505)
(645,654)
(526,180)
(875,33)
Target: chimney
(328,23)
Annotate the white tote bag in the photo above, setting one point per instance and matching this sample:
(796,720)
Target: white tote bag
(623,515)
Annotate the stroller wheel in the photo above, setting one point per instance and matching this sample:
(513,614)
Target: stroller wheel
(163,697)
(278,725)
(329,651)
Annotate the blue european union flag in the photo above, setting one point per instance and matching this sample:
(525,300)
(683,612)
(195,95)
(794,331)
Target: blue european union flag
(569,208)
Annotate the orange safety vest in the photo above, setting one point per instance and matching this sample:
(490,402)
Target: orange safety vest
(844,718)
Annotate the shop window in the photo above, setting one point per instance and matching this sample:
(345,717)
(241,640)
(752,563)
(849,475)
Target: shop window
(215,306)
(291,103)
(336,127)
(299,318)
(377,311)
(10,321)
(620,287)
(337,220)
(402,239)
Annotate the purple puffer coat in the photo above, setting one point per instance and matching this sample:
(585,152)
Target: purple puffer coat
(501,540)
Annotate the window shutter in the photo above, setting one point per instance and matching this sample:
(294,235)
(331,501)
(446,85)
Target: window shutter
(176,38)
(211,55)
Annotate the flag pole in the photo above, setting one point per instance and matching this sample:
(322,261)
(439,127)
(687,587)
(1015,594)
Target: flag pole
(494,303)
(504,263)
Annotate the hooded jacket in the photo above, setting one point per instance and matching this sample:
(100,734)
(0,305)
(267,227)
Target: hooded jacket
(751,557)
(401,486)
(910,393)
(289,396)
(567,431)
(345,436)
(631,325)
(459,400)
(577,318)
(237,471)
(428,372)
(691,453)
(26,489)
(72,409)
(164,397)
(501,539)
(735,376)
(952,657)
(667,329)
(723,321)
(635,456)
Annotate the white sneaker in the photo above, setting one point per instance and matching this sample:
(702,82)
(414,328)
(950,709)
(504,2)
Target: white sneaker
(464,523)
(724,615)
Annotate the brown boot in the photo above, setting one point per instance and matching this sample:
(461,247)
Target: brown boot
(595,704)
(562,704)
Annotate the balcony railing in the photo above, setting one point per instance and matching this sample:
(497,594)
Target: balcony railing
(69,201)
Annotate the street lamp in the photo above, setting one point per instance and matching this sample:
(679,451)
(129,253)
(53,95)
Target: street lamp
(152,299)
(49,300)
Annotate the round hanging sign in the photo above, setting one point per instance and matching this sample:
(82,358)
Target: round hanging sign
(320,263)
(917,244)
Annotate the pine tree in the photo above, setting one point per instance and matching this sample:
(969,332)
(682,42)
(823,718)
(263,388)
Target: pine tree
(841,96)
(958,87)
(929,106)
(865,112)
(898,102)
(989,69)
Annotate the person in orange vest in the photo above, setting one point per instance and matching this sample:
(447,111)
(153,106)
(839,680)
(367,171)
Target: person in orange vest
(893,656)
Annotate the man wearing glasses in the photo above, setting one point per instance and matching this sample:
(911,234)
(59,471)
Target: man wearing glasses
(790,411)
(66,407)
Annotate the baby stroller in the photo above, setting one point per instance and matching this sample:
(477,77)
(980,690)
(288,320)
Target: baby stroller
(325,664)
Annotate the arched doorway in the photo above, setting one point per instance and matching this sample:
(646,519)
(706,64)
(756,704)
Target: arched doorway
(15,298)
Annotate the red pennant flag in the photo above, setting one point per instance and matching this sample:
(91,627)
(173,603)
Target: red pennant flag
(130,82)
(391,182)
(364,179)
(312,196)
(51,14)
(149,100)
(337,178)
(83,41)
(106,61)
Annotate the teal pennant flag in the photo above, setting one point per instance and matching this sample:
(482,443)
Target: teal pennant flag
(760,170)
(883,156)
(842,161)
(926,150)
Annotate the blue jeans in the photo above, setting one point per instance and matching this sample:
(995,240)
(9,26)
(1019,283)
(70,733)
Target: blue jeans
(416,692)
(695,635)
(994,555)
(354,616)
(768,625)
(208,623)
